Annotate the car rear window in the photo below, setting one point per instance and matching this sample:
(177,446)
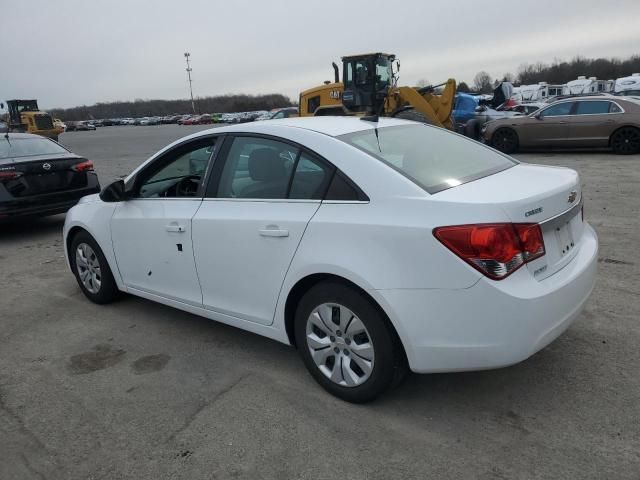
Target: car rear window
(432,157)
(25,147)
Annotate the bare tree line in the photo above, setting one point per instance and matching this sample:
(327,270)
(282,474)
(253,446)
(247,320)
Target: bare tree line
(558,72)
(147,108)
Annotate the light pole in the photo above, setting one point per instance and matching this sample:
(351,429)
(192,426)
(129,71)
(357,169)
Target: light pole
(193,105)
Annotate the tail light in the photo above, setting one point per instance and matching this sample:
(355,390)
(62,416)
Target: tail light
(495,249)
(83,166)
(11,175)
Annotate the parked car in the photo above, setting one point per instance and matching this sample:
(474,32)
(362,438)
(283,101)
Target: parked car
(579,122)
(470,115)
(82,126)
(40,177)
(284,113)
(526,108)
(372,247)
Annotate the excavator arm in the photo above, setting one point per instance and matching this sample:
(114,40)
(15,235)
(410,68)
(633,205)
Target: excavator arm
(436,108)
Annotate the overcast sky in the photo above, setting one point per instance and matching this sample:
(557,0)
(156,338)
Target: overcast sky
(73,52)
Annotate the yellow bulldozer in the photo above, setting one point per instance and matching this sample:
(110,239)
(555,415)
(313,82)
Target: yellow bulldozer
(369,87)
(25,116)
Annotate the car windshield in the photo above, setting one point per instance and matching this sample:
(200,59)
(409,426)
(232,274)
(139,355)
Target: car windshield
(25,147)
(431,157)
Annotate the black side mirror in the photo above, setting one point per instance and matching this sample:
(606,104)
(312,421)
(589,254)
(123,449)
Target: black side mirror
(538,116)
(114,192)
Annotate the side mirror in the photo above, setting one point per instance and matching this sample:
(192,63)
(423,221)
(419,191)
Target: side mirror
(480,108)
(538,116)
(114,192)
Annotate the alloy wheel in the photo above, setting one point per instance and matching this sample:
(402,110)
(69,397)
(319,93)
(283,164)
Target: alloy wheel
(88,268)
(505,140)
(626,141)
(340,345)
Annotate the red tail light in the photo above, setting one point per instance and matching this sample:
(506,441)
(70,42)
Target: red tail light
(496,249)
(11,175)
(84,166)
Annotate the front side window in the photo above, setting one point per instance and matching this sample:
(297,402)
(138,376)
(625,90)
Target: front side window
(362,72)
(179,173)
(431,157)
(592,107)
(558,110)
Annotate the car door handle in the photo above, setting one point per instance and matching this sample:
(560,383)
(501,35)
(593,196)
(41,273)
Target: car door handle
(174,227)
(274,232)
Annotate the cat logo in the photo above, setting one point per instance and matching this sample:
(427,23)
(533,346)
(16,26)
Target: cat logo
(335,94)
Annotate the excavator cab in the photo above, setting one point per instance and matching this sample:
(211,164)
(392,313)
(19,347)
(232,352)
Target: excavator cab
(366,80)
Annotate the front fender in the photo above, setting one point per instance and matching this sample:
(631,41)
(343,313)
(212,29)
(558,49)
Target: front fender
(95,218)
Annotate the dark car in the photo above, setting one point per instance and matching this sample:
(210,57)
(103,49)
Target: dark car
(40,177)
(580,122)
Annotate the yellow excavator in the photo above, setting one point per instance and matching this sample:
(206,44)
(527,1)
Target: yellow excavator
(369,87)
(25,116)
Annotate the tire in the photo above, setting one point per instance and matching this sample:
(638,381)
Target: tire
(505,139)
(334,321)
(412,114)
(472,129)
(626,141)
(86,256)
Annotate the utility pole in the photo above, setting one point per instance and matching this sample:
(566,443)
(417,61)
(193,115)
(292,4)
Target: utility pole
(193,105)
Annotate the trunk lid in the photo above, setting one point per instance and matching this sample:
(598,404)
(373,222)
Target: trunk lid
(549,196)
(42,174)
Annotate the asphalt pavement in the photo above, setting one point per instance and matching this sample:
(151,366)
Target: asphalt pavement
(137,390)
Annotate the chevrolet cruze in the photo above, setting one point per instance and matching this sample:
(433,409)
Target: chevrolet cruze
(373,247)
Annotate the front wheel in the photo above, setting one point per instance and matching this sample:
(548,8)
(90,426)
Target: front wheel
(505,140)
(346,344)
(91,269)
(626,141)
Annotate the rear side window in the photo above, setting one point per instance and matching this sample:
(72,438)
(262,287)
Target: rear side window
(431,157)
(592,107)
(614,108)
(343,189)
(257,168)
(310,179)
(25,147)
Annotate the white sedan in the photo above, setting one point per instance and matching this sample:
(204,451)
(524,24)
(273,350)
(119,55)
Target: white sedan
(372,247)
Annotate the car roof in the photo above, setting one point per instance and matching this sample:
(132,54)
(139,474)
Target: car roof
(332,126)
(21,136)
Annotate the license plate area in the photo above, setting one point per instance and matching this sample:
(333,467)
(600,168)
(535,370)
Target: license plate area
(564,238)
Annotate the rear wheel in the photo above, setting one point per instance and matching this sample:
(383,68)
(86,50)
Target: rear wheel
(91,269)
(505,140)
(626,141)
(346,344)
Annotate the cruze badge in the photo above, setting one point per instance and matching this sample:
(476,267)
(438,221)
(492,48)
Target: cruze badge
(533,212)
(572,196)
(46,166)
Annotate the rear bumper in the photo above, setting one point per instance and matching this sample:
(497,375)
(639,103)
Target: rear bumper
(46,204)
(491,324)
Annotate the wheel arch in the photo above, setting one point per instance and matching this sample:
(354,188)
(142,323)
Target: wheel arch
(635,127)
(304,284)
(107,250)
